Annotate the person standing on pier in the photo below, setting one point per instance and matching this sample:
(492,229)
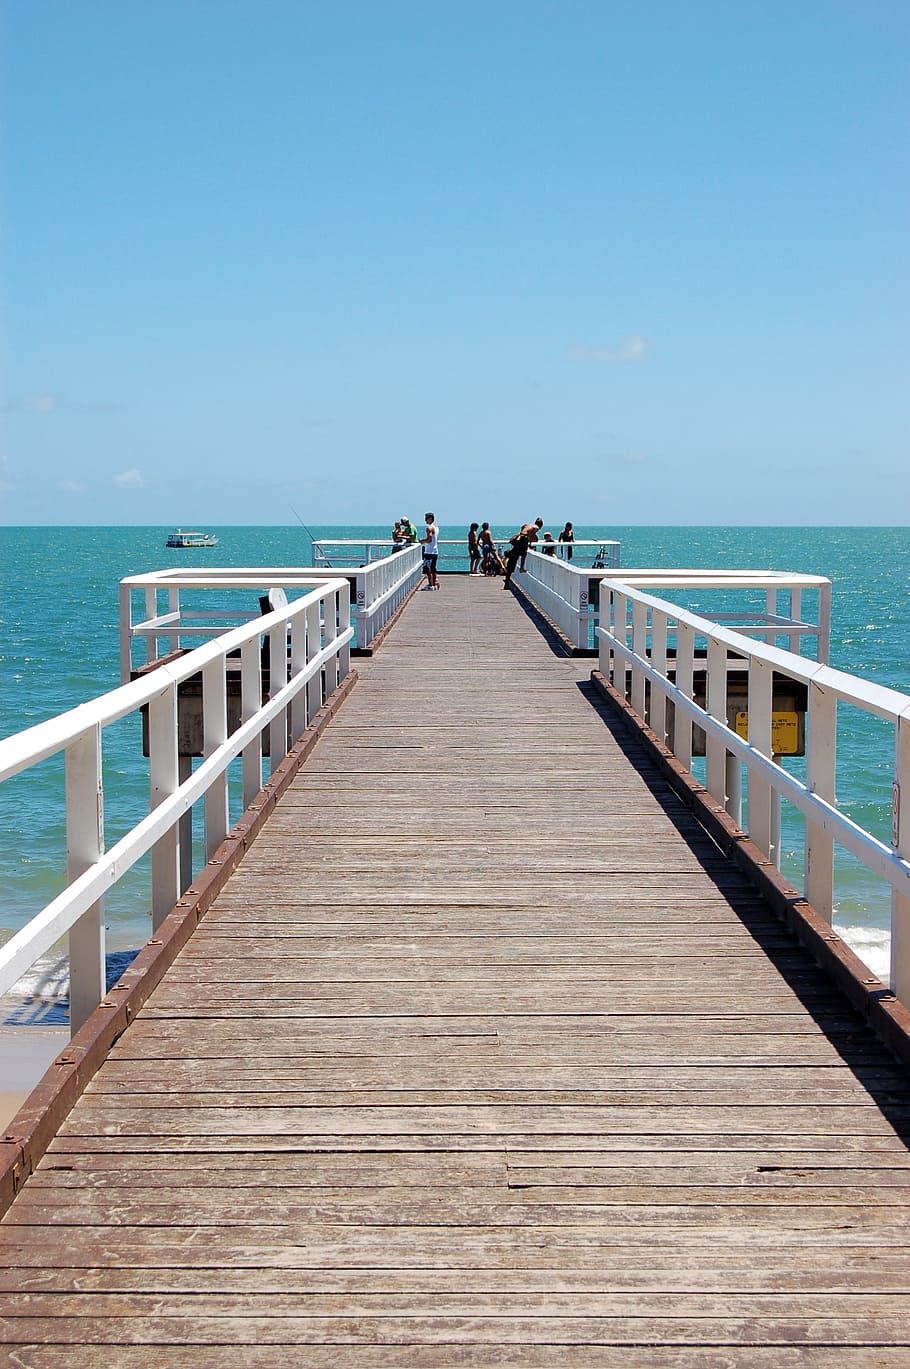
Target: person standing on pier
(473,549)
(430,545)
(568,536)
(520,542)
(491,561)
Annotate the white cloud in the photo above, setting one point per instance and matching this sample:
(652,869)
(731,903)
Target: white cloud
(70,487)
(632,348)
(42,402)
(131,477)
(46,402)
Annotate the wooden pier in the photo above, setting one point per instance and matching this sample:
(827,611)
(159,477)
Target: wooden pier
(484,1055)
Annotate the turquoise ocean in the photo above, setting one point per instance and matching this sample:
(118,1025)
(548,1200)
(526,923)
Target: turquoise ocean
(59,644)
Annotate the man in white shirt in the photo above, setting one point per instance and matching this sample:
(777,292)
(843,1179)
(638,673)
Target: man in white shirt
(430,545)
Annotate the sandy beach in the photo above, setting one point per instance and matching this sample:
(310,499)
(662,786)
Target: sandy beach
(25,1053)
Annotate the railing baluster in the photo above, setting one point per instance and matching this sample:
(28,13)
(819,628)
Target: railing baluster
(640,647)
(821,767)
(344,622)
(151,611)
(795,640)
(250,703)
(761,680)
(214,731)
(330,632)
(298,664)
(278,678)
(716,699)
(658,711)
(164,776)
(313,647)
(84,845)
(900,840)
(685,674)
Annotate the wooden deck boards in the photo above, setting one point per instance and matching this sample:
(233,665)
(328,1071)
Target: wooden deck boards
(483,1056)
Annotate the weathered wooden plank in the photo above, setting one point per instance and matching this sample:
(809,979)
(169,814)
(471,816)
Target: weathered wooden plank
(449,1356)
(371,1330)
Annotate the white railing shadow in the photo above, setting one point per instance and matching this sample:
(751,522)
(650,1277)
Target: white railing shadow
(652,650)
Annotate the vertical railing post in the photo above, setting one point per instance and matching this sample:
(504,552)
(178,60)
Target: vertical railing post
(364,625)
(313,647)
(126,633)
(796,613)
(151,611)
(734,788)
(330,633)
(761,684)
(658,711)
(640,647)
(344,622)
(298,665)
(685,676)
(84,845)
(173,604)
(621,633)
(250,704)
(823,638)
(164,779)
(900,840)
(214,734)
(185,837)
(821,768)
(716,707)
(278,678)
(770,612)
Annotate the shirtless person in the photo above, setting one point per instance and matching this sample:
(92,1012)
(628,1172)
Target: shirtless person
(523,539)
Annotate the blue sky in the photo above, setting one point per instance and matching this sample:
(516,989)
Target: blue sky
(647,261)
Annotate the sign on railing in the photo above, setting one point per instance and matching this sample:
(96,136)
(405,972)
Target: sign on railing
(307,646)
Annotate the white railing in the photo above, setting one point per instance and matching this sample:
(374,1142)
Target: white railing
(308,655)
(153,614)
(381,587)
(645,640)
(563,590)
(354,552)
(570,596)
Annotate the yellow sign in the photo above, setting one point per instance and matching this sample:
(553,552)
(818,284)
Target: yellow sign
(784,732)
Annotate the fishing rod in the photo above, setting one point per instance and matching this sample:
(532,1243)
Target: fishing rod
(308,533)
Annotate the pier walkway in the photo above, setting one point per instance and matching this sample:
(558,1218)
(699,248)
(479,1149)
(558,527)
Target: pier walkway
(484,1055)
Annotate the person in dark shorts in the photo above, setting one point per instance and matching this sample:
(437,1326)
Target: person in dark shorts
(474,549)
(518,551)
(430,545)
(491,562)
(568,535)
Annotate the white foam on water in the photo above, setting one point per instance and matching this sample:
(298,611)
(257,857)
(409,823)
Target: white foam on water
(872,945)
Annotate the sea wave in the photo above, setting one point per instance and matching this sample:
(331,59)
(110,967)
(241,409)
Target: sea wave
(872,945)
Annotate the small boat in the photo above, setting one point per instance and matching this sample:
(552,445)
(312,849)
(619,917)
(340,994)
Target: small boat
(179,538)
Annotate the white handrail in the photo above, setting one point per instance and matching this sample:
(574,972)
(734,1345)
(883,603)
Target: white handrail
(320,633)
(637,636)
(569,594)
(377,591)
